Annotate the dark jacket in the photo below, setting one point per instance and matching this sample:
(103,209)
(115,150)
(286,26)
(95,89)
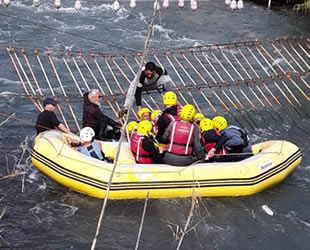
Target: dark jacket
(93,117)
(149,146)
(163,121)
(159,71)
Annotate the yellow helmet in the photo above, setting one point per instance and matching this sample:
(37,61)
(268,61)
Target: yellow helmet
(144,127)
(220,123)
(188,113)
(132,126)
(199,116)
(170,98)
(155,113)
(144,110)
(206,124)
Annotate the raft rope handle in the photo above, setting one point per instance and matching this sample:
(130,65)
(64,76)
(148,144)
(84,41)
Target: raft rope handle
(50,87)
(21,80)
(63,90)
(135,82)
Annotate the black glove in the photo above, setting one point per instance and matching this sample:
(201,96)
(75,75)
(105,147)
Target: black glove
(122,113)
(109,159)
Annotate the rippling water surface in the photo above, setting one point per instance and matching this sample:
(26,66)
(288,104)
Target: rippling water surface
(43,215)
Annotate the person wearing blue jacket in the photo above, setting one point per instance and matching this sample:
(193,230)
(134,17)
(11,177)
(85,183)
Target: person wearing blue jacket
(234,139)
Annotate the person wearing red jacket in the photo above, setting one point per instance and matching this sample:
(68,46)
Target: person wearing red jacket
(182,137)
(210,137)
(142,145)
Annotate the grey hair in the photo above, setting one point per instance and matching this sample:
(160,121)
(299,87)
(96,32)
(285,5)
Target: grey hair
(92,93)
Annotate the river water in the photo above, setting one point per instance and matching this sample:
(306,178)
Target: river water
(40,214)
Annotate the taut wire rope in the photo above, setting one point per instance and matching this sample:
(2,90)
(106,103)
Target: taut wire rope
(135,82)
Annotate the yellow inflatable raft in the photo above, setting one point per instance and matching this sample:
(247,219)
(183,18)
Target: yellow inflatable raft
(272,162)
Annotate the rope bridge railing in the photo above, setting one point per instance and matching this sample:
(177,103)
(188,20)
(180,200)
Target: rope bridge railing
(251,82)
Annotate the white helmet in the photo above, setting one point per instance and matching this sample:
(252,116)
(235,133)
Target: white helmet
(87,134)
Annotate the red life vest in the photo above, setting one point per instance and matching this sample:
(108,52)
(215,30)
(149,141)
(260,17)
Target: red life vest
(155,127)
(210,145)
(181,138)
(140,154)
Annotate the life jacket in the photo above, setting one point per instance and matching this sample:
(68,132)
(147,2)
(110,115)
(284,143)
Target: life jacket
(92,150)
(181,138)
(231,146)
(155,127)
(173,118)
(140,154)
(210,145)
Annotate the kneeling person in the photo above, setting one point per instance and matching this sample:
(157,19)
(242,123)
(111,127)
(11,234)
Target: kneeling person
(90,146)
(235,140)
(142,145)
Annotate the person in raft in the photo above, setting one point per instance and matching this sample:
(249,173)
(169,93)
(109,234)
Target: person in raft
(145,114)
(106,129)
(91,147)
(142,145)
(234,139)
(170,114)
(152,78)
(48,120)
(182,137)
(209,137)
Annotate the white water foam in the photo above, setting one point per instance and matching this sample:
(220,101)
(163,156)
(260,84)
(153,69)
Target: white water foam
(52,210)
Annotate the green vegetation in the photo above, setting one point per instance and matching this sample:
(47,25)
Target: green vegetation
(302,7)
